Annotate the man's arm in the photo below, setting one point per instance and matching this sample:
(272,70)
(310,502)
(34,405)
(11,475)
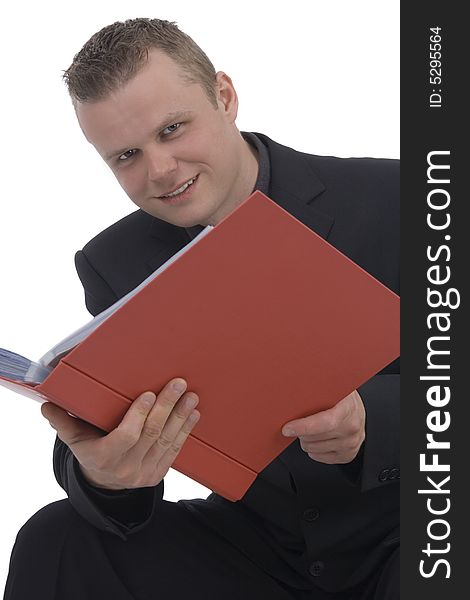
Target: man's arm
(107,477)
(360,433)
(381,457)
(119,512)
(120,506)
(332,436)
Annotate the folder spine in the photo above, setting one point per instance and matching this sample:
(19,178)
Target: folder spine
(196,459)
(84,397)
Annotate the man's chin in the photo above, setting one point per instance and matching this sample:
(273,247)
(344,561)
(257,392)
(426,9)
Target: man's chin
(188,216)
(178,218)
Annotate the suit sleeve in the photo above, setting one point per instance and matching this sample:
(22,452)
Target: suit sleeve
(375,186)
(381,394)
(378,461)
(122,512)
(381,450)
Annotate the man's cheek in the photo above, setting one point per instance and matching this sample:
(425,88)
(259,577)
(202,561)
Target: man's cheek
(134,188)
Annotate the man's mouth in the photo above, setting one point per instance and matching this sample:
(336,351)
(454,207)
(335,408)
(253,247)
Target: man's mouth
(180,189)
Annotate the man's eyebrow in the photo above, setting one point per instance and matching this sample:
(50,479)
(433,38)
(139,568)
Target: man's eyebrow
(170,118)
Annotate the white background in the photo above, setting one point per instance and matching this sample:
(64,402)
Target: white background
(320,76)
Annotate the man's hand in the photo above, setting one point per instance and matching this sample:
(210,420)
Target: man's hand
(332,436)
(139,452)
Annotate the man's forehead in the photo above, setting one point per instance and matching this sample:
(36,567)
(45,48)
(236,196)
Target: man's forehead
(157,96)
(107,128)
(143,110)
(160,65)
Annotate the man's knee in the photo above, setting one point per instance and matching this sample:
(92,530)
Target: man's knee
(36,555)
(388,587)
(48,525)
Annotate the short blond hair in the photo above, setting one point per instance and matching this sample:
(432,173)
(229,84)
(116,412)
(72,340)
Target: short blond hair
(113,55)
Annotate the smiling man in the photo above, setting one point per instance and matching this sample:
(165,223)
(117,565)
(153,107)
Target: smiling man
(321,521)
(176,154)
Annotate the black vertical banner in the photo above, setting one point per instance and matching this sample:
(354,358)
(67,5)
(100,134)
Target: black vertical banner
(435,259)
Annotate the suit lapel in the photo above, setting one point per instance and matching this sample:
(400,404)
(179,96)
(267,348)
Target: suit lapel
(294,186)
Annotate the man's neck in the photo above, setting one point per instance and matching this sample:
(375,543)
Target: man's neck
(248,173)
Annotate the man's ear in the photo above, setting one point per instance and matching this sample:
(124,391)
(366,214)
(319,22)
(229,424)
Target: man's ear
(227,99)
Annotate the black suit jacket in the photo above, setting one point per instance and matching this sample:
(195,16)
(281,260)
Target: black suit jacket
(333,525)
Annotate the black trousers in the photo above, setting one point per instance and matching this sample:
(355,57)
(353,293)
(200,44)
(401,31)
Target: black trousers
(59,556)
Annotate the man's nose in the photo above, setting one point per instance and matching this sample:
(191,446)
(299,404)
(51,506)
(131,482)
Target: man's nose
(160,163)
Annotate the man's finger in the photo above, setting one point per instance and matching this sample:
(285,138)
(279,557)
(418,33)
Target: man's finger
(165,462)
(319,424)
(128,432)
(161,434)
(322,447)
(69,429)
(174,423)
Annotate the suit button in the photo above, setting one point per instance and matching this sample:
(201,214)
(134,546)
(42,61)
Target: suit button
(394,474)
(311,514)
(384,474)
(316,568)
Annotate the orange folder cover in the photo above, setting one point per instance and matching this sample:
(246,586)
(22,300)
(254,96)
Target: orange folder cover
(265,320)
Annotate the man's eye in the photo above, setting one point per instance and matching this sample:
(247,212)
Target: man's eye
(126,155)
(171,128)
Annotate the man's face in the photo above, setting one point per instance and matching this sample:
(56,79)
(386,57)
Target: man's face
(175,155)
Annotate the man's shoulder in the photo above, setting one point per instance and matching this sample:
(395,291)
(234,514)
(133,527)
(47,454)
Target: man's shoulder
(355,166)
(333,165)
(126,232)
(342,187)
(135,235)
(355,169)
(121,256)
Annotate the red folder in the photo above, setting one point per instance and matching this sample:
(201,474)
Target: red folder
(265,320)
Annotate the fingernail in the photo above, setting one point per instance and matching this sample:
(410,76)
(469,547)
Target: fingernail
(191,402)
(179,385)
(193,417)
(288,432)
(149,398)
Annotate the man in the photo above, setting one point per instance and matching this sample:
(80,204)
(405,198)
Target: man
(322,520)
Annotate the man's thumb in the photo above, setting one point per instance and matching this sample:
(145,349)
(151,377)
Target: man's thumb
(69,429)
